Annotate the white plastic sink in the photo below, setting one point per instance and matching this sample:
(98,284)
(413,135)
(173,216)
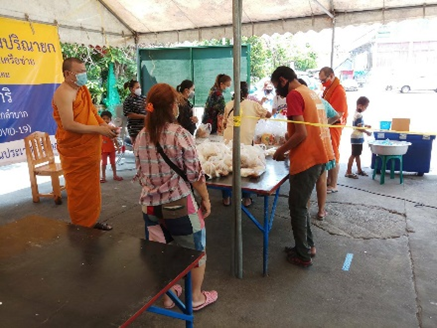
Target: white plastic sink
(389,147)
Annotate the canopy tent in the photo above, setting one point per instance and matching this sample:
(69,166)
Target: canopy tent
(122,22)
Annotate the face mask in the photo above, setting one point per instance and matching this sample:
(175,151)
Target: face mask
(191,95)
(327,83)
(282,90)
(138,92)
(81,79)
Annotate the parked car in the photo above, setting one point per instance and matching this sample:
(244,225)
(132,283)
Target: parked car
(350,85)
(420,83)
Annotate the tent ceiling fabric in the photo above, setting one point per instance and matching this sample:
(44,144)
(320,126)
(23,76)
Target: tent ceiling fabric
(116,22)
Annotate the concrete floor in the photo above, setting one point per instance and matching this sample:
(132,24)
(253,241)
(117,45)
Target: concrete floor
(392,281)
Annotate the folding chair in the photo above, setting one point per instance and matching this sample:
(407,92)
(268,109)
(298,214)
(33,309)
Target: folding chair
(41,161)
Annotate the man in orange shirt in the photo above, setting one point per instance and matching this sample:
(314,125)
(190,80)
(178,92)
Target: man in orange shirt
(79,144)
(310,149)
(334,94)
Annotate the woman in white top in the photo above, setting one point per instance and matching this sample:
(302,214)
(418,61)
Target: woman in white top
(251,112)
(248,110)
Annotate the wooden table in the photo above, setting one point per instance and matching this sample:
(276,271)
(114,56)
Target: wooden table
(269,183)
(55,274)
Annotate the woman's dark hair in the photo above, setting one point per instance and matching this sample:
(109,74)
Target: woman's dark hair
(302,81)
(221,78)
(162,96)
(130,84)
(106,113)
(244,89)
(185,84)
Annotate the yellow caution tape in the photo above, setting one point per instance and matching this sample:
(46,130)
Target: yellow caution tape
(338,126)
(237,120)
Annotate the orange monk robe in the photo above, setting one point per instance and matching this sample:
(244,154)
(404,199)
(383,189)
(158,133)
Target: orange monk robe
(80,158)
(336,96)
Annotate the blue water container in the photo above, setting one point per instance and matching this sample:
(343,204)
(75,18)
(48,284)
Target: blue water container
(418,157)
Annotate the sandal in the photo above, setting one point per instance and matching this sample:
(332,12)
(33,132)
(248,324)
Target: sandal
(363,174)
(321,217)
(103,180)
(177,290)
(351,175)
(102,226)
(117,178)
(250,202)
(331,191)
(227,201)
(291,250)
(210,297)
(294,259)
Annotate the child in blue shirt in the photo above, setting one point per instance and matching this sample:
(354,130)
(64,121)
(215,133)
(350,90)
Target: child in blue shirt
(357,139)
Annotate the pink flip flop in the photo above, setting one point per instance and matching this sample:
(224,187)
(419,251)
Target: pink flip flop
(178,291)
(102,180)
(117,178)
(210,297)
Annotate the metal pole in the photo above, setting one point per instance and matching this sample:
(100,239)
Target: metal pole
(237,259)
(333,43)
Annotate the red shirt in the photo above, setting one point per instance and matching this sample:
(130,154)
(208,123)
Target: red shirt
(295,104)
(107,145)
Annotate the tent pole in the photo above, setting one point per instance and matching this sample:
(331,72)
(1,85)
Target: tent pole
(237,236)
(333,43)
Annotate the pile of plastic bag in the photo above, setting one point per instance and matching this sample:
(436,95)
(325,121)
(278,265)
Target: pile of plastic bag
(204,130)
(271,133)
(216,159)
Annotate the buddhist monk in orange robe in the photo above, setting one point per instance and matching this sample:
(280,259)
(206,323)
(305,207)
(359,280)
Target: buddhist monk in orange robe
(334,94)
(79,142)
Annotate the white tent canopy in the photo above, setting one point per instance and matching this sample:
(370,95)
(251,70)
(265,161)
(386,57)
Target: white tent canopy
(122,22)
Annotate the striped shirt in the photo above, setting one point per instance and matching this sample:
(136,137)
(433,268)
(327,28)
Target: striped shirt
(160,184)
(134,104)
(357,136)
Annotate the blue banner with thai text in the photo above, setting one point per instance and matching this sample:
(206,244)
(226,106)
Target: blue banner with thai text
(30,72)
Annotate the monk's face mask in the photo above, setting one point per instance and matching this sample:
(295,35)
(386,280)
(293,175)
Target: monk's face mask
(327,81)
(81,79)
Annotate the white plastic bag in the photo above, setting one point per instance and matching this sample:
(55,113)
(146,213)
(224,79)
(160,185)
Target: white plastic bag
(204,130)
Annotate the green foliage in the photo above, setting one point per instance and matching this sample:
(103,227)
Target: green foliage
(269,52)
(215,42)
(97,61)
(305,59)
(258,57)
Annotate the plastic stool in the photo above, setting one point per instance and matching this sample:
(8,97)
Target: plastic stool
(384,160)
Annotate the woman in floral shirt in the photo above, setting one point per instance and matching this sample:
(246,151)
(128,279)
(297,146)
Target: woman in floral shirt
(215,103)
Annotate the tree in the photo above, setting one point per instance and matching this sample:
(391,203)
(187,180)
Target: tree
(258,57)
(97,61)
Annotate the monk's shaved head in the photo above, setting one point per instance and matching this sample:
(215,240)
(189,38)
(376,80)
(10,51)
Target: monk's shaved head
(68,63)
(327,70)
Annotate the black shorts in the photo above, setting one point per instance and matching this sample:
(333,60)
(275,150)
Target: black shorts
(357,149)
